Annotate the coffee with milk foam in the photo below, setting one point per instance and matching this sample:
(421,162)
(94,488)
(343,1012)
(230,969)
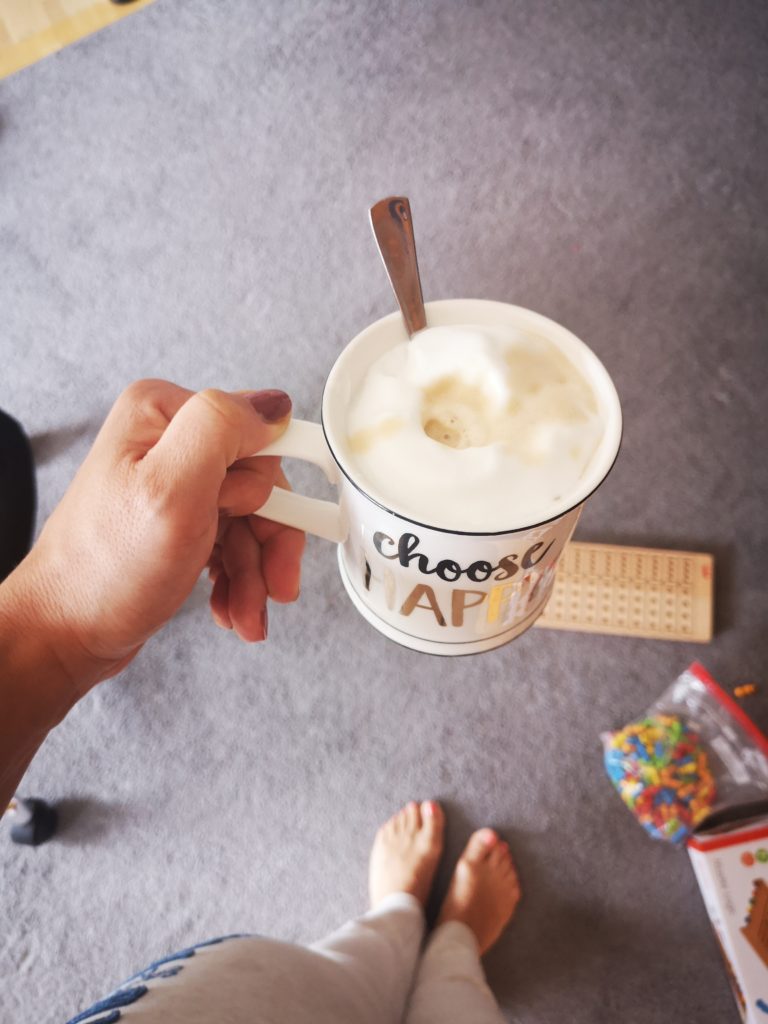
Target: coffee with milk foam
(476,429)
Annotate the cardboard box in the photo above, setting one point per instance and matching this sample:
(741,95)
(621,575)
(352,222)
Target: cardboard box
(730,858)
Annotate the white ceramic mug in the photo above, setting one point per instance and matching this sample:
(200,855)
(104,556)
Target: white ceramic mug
(441,591)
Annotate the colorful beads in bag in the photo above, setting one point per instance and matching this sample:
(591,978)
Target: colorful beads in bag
(662,773)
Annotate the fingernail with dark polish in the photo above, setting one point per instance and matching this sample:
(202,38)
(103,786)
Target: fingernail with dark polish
(265,622)
(272,405)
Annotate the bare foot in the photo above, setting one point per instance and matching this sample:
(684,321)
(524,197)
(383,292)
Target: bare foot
(484,890)
(406,851)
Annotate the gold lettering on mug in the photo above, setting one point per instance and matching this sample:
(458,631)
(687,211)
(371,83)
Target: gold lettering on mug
(498,597)
(413,599)
(460,602)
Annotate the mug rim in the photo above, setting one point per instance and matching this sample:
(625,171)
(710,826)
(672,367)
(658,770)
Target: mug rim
(561,513)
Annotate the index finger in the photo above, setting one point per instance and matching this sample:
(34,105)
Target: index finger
(140,414)
(210,431)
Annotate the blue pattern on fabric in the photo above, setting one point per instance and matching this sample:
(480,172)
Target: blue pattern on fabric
(123,997)
(183,954)
(169,972)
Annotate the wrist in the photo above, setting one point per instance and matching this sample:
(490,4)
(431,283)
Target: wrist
(38,656)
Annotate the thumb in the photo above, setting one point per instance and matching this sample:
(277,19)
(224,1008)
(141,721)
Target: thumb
(210,431)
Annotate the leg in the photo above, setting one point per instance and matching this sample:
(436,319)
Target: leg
(375,957)
(361,973)
(450,985)
(379,951)
(245,980)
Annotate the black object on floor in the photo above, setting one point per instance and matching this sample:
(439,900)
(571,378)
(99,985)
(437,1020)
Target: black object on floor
(36,821)
(17,494)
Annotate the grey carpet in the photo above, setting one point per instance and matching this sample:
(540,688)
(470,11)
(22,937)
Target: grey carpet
(184,195)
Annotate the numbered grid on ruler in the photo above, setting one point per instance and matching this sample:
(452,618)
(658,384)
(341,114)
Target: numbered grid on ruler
(603,588)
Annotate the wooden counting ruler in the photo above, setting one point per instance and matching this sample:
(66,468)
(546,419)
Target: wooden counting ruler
(649,592)
(32,29)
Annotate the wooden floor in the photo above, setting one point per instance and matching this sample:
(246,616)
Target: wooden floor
(32,29)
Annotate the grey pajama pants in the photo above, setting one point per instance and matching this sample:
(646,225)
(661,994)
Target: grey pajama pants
(371,971)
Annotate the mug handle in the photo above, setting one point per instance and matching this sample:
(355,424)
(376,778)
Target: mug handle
(304,440)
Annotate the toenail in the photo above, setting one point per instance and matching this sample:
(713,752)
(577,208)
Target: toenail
(429,808)
(489,837)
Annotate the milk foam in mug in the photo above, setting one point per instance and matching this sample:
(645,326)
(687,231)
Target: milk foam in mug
(463,457)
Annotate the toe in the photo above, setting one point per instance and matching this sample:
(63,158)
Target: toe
(511,881)
(498,856)
(412,816)
(418,816)
(432,817)
(433,822)
(480,845)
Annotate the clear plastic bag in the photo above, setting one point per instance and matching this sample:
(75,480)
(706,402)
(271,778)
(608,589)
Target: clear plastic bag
(693,753)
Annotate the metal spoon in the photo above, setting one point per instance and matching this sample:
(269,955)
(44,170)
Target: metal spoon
(393,230)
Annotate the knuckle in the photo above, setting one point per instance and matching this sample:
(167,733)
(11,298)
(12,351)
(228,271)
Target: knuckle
(142,400)
(220,404)
(141,391)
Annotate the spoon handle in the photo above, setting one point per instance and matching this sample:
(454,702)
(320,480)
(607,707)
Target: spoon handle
(393,230)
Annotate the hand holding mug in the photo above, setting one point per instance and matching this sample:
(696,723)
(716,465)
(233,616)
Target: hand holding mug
(166,490)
